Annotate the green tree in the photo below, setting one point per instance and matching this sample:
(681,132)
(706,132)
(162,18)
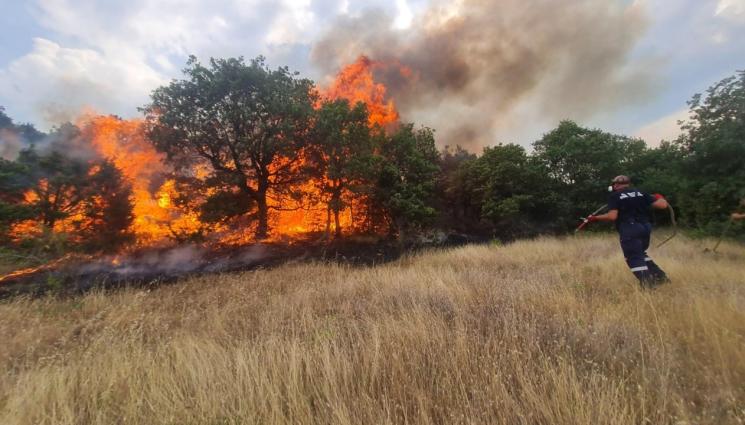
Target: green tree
(660,170)
(14,182)
(406,179)
(458,209)
(248,123)
(513,192)
(60,184)
(66,182)
(5,120)
(342,145)
(108,209)
(582,162)
(713,143)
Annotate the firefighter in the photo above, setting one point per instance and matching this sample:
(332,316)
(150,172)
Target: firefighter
(628,207)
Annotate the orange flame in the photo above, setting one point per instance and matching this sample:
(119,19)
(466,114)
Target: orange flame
(125,144)
(157,218)
(356,83)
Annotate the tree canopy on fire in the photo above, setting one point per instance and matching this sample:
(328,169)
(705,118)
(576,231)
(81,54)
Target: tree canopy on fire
(237,152)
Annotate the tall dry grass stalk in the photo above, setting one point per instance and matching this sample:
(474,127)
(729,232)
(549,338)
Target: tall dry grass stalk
(550,331)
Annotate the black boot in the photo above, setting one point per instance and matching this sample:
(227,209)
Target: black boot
(658,276)
(646,278)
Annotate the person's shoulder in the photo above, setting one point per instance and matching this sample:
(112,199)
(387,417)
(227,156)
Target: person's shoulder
(639,196)
(613,197)
(631,192)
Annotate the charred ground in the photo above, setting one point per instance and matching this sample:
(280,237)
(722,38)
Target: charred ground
(151,267)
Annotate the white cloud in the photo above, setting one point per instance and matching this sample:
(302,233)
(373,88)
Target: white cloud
(292,22)
(665,128)
(171,27)
(110,55)
(404,16)
(55,83)
(731,9)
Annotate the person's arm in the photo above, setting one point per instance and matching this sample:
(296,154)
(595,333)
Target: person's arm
(737,216)
(660,203)
(611,215)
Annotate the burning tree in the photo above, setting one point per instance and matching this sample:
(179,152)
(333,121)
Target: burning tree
(342,142)
(157,217)
(58,184)
(108,213)
(247,123)
(84,197)
(12,188)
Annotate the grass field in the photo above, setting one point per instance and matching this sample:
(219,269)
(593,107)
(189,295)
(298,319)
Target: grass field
(550,331)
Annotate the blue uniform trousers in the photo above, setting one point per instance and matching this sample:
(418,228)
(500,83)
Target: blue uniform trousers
(635,237)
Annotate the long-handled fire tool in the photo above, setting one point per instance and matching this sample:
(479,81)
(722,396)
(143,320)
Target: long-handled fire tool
(721,236)
(675,226)
(585,220)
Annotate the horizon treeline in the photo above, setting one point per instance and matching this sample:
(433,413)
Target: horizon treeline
(263,134)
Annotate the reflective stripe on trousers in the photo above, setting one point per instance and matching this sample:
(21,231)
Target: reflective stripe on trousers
(635,238)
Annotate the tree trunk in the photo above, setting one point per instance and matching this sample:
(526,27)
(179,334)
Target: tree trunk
(351,217)
(337,233)
(398,226)
(262,230)
(48,216)
(336,206)
(328,222)
(370,219)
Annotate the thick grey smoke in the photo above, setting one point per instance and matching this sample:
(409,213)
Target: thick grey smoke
(66,139)
(482,67)
(10,144)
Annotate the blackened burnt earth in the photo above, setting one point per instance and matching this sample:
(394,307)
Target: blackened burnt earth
(154,267)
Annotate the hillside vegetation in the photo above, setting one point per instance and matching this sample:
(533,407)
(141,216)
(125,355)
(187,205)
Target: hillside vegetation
(548,331)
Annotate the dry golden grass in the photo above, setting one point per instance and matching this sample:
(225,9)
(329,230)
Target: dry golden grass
(551,331)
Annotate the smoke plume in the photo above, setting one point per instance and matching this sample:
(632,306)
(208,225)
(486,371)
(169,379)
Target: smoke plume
(10,144)
(477,67)
(175,261)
